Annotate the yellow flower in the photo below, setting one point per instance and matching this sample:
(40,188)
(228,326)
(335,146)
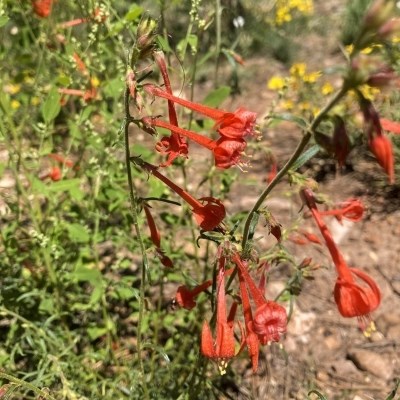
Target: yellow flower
(276,83)
(35,101)
(305,105)
(312,77)
(288,105)
(282,15)
(396,39)
(15,104)
(298,69)
(12,88)
(95,81)
(369,92)
(29,80)
(349,49)
(327,89)
(303,6)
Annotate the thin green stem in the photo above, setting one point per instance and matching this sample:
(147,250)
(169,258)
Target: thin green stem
(27,385)
(218,12)
(134,211)
(296,154)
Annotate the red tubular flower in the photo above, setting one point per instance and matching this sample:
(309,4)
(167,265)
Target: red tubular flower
(253,344)
(185,297)
(42,8)
(156,238)
(390,126)
(227,152)
(351,209)
(208,215)
(235,125)
(270,319)
(87,95)
(379,144)
(174,145)
(270,322)
(382,149)
(223,348)
(96,17)
(353,300)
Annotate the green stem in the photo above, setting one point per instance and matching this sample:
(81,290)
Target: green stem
(299,149)
(217,39)
(27,385)
(134,212)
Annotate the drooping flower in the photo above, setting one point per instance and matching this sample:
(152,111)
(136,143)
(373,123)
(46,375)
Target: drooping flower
(185,297)
(227,152)
(222,348)
(156,238)
(352,299)
(351,209)
(236,125)
(269,321)
(42,8)
(356,300)
(208,215)
(381,147)
(379,144)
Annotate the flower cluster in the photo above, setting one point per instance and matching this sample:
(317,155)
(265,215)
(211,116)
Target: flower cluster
(265,321)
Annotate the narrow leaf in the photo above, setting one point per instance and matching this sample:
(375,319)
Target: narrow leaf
(306,156)
(217,96)
(289,118)
(51,107)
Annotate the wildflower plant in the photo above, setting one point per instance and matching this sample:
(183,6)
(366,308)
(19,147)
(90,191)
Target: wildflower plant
(129,199)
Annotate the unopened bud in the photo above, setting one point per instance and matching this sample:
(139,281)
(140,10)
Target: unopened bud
(382,77)
(341,141)
(389,29)
(305,263)
(379,13)
(146,33)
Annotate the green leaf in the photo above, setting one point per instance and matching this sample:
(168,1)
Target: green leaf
(96,332)
(394,391)
(3,20)
(217,96)
(134,13)
(47,305)
(163,43)
(289,118)
(64,185)
(78,233)
(51,107)
(85,274)
(320,395)
(307,155)
(126,293)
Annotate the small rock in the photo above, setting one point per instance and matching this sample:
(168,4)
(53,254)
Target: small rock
(393,332)
(333,342)
(372,362)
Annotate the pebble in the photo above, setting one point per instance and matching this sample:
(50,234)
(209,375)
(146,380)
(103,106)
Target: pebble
(394,332)
(371,362)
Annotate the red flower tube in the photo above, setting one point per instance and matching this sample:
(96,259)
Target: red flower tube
(235,125)
(223,348)
(208,215)
(227,152)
